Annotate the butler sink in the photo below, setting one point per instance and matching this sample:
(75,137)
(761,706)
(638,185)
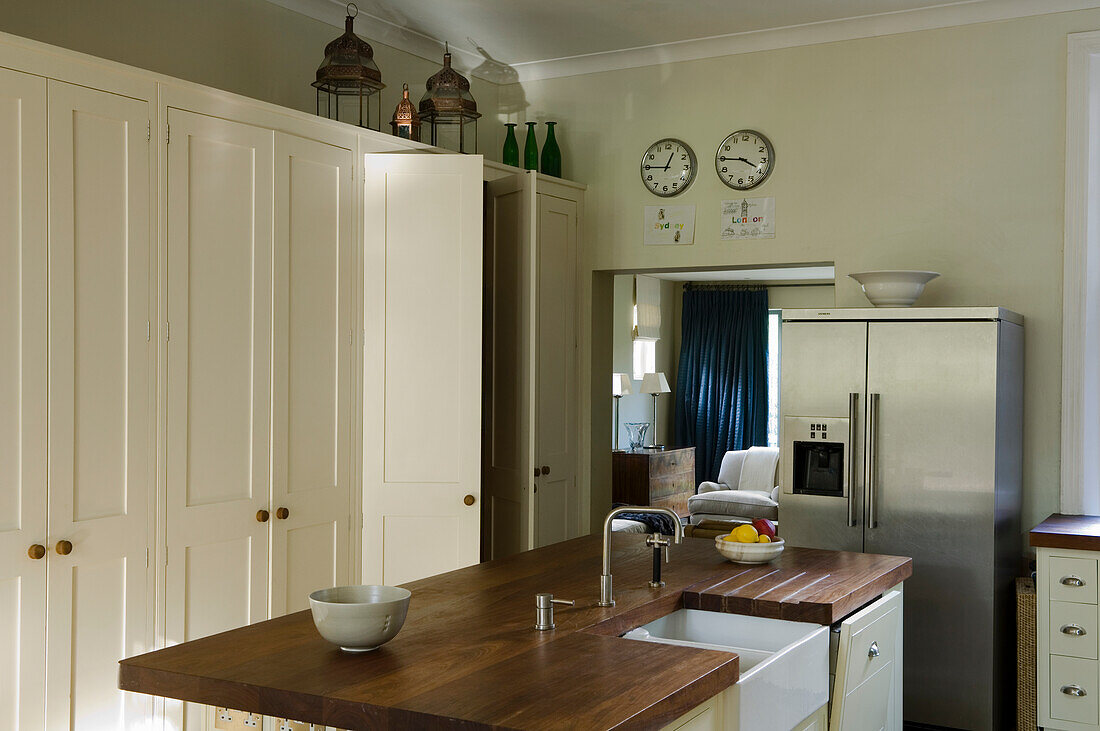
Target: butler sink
(784,666)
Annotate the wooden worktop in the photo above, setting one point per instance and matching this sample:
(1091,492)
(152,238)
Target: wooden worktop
(469,656)
(1081,532)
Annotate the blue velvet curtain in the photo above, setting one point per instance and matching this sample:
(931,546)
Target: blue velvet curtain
(722,382)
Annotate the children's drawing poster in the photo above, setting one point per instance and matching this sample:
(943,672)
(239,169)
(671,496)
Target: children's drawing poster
(669,225)
(748,218)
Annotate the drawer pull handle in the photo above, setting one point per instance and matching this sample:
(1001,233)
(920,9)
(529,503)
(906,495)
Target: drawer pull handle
(1074,690)
(1073,581)
(1073,629)
(873,652)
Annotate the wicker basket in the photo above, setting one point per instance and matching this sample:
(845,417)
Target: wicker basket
(1026,718)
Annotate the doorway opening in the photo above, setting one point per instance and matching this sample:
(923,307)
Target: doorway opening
(637,344)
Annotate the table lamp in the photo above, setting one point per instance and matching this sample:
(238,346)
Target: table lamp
(655,384)
(620,386)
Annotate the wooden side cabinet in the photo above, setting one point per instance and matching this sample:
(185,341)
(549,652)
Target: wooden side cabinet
(661,478)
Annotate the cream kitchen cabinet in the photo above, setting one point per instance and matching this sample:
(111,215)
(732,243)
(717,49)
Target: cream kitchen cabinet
(260,405)
(77,437)
(1067,665)
(217,359)
(530,454)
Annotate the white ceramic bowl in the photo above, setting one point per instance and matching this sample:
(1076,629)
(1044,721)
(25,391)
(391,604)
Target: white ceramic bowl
(899,288)
(359,618)
(748,552)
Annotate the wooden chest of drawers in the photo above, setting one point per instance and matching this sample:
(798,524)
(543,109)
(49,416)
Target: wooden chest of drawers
(662,478)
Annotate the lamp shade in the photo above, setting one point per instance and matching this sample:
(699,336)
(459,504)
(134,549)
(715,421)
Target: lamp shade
(620,384)
(655,383)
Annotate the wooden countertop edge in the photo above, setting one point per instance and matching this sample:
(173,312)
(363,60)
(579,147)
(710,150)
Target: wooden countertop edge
(1074,532)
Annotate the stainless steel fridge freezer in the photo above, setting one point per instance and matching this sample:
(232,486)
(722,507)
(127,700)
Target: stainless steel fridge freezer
(901,433)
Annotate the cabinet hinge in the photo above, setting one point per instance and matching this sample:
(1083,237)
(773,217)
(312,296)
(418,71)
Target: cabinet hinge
(167,134)
(148,130)
(146,558)
(167,331)
(148,331)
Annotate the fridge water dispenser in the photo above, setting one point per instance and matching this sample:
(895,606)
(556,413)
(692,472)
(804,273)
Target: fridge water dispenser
(819,452)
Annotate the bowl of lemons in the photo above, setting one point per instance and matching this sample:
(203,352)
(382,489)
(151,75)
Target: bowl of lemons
(745,544)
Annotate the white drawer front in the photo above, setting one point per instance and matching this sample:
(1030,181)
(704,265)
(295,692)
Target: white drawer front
(1072,629)
(873,646)
(1072,579)
(1073,689)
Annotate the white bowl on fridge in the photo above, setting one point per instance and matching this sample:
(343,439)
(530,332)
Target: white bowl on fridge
(893,288)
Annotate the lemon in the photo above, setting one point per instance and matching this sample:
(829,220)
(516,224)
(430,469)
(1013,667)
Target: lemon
(744,534)
(763,539)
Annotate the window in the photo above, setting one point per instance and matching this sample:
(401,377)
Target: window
(645,353)
(645,358)
(773,377)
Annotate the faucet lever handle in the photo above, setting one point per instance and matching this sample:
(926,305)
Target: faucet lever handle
(569,602)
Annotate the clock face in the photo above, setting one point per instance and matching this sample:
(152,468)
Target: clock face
(668,167)
(744,159)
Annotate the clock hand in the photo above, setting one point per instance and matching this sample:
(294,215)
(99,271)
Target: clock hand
(669,161)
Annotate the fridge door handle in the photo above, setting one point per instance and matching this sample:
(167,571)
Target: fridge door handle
(870,462)
(853,415)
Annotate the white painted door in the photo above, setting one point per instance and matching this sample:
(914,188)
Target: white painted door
(313,397)
(508,442)
(422,364)
(220,240)
(557,500)
(22,400)
(101,442)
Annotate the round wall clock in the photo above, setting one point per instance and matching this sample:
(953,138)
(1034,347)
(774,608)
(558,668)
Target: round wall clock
(744,159)
(668,167)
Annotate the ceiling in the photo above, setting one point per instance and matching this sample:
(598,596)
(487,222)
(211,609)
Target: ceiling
(789,275)
(517,40)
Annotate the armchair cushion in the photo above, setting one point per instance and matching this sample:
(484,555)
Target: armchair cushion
(748,504)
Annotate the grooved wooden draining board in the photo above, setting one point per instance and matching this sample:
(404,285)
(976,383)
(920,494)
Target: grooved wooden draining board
(469,656)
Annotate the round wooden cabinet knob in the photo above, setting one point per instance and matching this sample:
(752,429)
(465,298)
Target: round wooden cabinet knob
(36,551)
(282,513)
(64,548)
(469,499)
(262,516)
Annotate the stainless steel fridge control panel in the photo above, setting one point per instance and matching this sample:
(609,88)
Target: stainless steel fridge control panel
(817,455)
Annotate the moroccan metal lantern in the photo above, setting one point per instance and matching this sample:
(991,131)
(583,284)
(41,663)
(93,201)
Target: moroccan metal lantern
(449,109)
(349,78)
(406,122)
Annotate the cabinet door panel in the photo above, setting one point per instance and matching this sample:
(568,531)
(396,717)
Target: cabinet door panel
(23,311)
(557,500)
(219,363)
(312,370)
(422,362)
(508,447)
(100,415)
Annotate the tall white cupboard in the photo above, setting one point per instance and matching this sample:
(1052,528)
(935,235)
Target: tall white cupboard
(232,336)
(530,450)
(76,373)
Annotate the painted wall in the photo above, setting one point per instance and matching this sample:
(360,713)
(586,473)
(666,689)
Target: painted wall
(249,47)
(939,149)
(639,406)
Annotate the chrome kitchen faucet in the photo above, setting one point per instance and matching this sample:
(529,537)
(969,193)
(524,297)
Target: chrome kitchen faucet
(605,577)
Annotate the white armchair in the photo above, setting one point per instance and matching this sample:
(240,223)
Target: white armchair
(746,489)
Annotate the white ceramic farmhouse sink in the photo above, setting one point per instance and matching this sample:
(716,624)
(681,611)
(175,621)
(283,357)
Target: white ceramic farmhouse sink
(784,665)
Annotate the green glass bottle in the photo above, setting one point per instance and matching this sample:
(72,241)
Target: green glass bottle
(551,153)
(531,149)
(510,154)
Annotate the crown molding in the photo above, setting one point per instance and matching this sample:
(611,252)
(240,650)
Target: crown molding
(829,31)
(384,31)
